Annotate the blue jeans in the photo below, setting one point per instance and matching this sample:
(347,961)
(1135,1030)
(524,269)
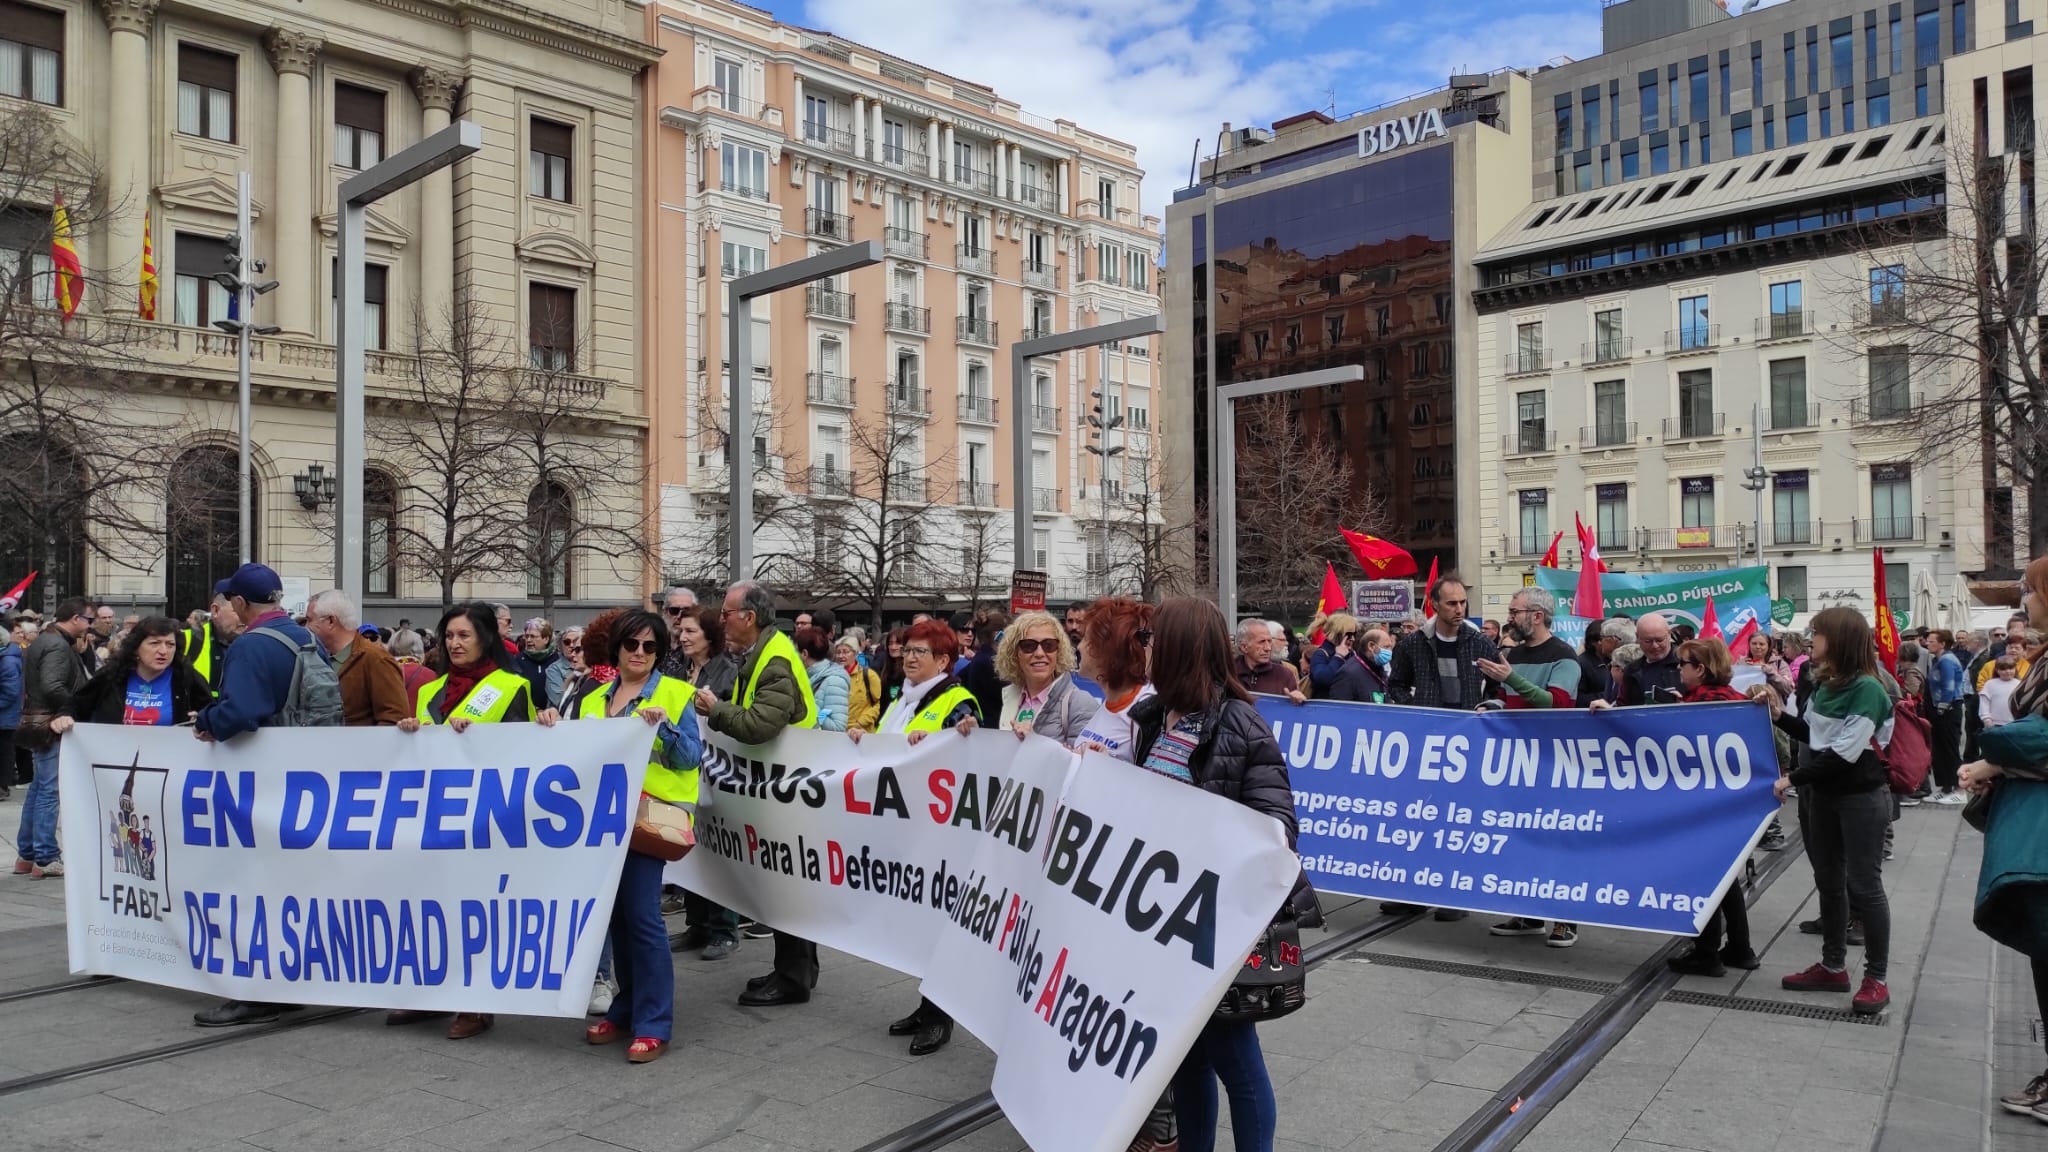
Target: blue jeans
(37,841)
(1226,1051)
(646,971)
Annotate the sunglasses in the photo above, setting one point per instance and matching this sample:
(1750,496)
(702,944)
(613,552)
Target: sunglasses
(675,611)
(1145,637)
(635,644)
(1049,647)
(1690,664)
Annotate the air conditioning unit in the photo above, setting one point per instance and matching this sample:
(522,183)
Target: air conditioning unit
(1247,137)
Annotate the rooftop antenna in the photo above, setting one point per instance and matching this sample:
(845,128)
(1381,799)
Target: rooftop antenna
(1195,162)
(1333,102)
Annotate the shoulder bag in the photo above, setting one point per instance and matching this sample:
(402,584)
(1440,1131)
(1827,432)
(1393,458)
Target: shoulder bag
(663,830)
(1272,983)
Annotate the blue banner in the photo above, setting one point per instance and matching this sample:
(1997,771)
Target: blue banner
(1629,818)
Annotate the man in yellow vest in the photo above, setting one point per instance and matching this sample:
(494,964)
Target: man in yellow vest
(771,694)
(207,645)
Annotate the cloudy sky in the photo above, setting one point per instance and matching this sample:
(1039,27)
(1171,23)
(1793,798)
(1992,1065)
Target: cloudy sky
(1165,73)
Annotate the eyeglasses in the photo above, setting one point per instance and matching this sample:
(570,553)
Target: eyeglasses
(724,612)
(1027,647)
(1145,637)
(921,652)
(672,610)
(1513,612)
(1690,664)
(635,644)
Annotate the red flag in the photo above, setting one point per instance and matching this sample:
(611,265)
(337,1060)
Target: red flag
(1586,599)
(1550,558)
(15,593)
(1710,624)
(1381,559)
(1331,599)
(1427,608)
(1740,645)
(1887,628)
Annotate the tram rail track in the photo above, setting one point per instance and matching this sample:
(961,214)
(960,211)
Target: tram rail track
(219,1039)
(41,990)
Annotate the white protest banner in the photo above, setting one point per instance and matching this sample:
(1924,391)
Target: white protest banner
(1011,876)
(355,866)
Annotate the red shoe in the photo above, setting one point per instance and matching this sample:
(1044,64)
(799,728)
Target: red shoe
(602,1032)
(23,867)
(646,1050)
(1819,978)
(1871,998)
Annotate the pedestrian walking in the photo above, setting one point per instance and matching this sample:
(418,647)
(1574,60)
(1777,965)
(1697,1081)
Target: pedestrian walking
(54,673)
(537,644)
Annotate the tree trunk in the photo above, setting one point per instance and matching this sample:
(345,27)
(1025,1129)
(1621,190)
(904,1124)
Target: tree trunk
(2037,515)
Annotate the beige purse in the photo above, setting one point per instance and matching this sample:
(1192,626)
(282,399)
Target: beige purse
(663,830)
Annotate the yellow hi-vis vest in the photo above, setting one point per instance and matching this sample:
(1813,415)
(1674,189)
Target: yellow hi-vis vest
(487,702)
(672,696)
(932,716)
(780,647)
(199,654)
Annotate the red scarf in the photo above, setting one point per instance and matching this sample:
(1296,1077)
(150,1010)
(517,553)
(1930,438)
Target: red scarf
(460,682)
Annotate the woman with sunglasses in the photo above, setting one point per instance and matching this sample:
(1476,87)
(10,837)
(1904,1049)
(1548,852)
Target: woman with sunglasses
(1035,660)
(932,700)
(1704,673)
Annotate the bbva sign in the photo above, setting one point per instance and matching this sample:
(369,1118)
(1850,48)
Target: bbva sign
(1400,132)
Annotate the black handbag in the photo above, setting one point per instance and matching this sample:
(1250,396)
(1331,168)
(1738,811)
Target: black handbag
(1272,982)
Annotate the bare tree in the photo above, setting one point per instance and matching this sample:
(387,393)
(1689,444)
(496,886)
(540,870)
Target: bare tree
(701,554)
(1149,553)
(982,539)
(1293,492)
(872,541)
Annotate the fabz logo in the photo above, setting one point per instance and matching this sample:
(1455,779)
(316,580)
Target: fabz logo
(135,874)
(1388,135)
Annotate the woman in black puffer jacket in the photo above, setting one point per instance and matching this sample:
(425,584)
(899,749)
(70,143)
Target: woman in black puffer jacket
(1202,728)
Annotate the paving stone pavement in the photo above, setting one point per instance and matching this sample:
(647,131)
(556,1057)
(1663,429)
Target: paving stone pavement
(1391,1056)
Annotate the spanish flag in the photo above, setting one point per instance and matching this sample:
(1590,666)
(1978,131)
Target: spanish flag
(149,283)
(64,259)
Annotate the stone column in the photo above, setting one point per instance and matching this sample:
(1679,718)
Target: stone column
(946,172)
(931,145)
(860,127)
(1017,172)
(437,91)
(128,153)
(293,54)
(1061,191)
(881,140)
(796,107)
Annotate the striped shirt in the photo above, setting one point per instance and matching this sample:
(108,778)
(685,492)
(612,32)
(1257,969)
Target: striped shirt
(1175,748)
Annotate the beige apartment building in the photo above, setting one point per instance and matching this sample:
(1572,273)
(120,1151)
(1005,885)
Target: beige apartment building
(537,239)
(882,439)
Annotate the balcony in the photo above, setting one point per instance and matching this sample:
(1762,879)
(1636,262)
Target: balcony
(830,482)
(1889,312)
(907,318)
(977,495)
(1883,406)
(909,488)
(711,99)
(828,303)
(906,242)
(1792,418)
(1045,500)
(1041,274)
(1612,350)
(1794,533)
(1037,197)
(969,258)
(829,390)
(975,330)
(1891,529)
(1608,435)
(733,187)
(967,177)
(908,159)
(904,400)
(1528,442)
(1045,418)
(1692,338)
(1705,537)
(1795,325)
(827,137)
(835,226)
(1697,426)
(1527,362)
(1035,332)
(977,409)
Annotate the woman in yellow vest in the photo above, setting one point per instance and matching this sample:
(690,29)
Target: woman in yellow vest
(478,688)
(932,701)
(645,1006)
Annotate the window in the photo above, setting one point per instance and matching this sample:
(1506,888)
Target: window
(1696,502)
(1696,80)
(1138,418)
(1788,394)
(1788,316)
(206,93)
(1961,15)
(1741,142)
(893,135)
(1535,521)
(197,300)
(1888,294)
(1890,382)
(1608,341)
(1920,98)
(1877,110)
(963,161)
(1869,47)
(743,169)
(551,327)
(1105,197)
(905,380)
(1694,330)
(376,278)
(1141,271)
(1791,514)
(1610,515)
(358,126)
(32,53)
(1696,404)
(1898,43)
(1610,412)
(1333,328)
(1660,159)
(1529,348)
(380,533)
(1592,112)
(1891,502)
(1108,258)
(1724,83)
(1795,127)
(1898,587)
(1532,433)
(1041,549)
(1564,125)
(547,159)
(1631,164)
(727,76)
(738,258)
(1706,146)
(203,523)
(1792,585)
(1582,176)
(817,118)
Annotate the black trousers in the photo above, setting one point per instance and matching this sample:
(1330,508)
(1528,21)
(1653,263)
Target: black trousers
(722,922)
(1845,843)
(1732,917)
(2040,983)
(1947,722)
(796,960)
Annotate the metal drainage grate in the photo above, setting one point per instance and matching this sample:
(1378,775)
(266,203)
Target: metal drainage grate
(1483,972)
(1773,1007)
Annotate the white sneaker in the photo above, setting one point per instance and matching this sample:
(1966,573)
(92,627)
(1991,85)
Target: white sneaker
(1949,799)
(601,994)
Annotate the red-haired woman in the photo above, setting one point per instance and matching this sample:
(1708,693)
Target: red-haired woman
(1115,653)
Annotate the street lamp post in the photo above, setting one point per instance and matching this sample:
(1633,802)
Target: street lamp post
(1021,354)
(358,192)
(1099,447)
(1223,464)
(739,440)
(240,323)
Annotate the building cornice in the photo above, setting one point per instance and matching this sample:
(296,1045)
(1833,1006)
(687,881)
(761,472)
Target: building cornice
(535,26)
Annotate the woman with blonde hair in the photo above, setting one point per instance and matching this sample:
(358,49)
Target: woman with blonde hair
(1035,660)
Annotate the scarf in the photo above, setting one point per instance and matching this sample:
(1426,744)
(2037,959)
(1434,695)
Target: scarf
(461,681)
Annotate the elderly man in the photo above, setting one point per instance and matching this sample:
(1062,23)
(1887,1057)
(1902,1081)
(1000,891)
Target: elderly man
(1655,679)
(373,691)
(1539,671)
(1595,662)
(771,694)
(1257,670)
(680,602)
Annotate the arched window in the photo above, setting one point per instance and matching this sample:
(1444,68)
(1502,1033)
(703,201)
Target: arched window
(380,534)
(42,516)
(202,525)
(550,528)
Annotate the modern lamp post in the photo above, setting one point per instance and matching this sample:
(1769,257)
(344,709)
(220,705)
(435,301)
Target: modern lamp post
(358,192)
(245,290)
(739,315)
(1223,464)
(1099,447)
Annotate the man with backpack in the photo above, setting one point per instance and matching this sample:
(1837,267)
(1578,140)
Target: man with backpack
(274,676)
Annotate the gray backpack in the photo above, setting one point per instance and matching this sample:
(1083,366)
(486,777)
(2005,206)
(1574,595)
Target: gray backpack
(313,699)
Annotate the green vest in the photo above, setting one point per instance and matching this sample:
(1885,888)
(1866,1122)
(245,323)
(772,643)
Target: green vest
(780,647)
(932,716)
(672,696)
(487,703)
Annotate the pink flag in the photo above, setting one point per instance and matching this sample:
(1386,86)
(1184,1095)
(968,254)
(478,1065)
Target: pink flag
(1586,600)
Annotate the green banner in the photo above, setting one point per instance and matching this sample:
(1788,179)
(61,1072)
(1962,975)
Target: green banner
(1738,595)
